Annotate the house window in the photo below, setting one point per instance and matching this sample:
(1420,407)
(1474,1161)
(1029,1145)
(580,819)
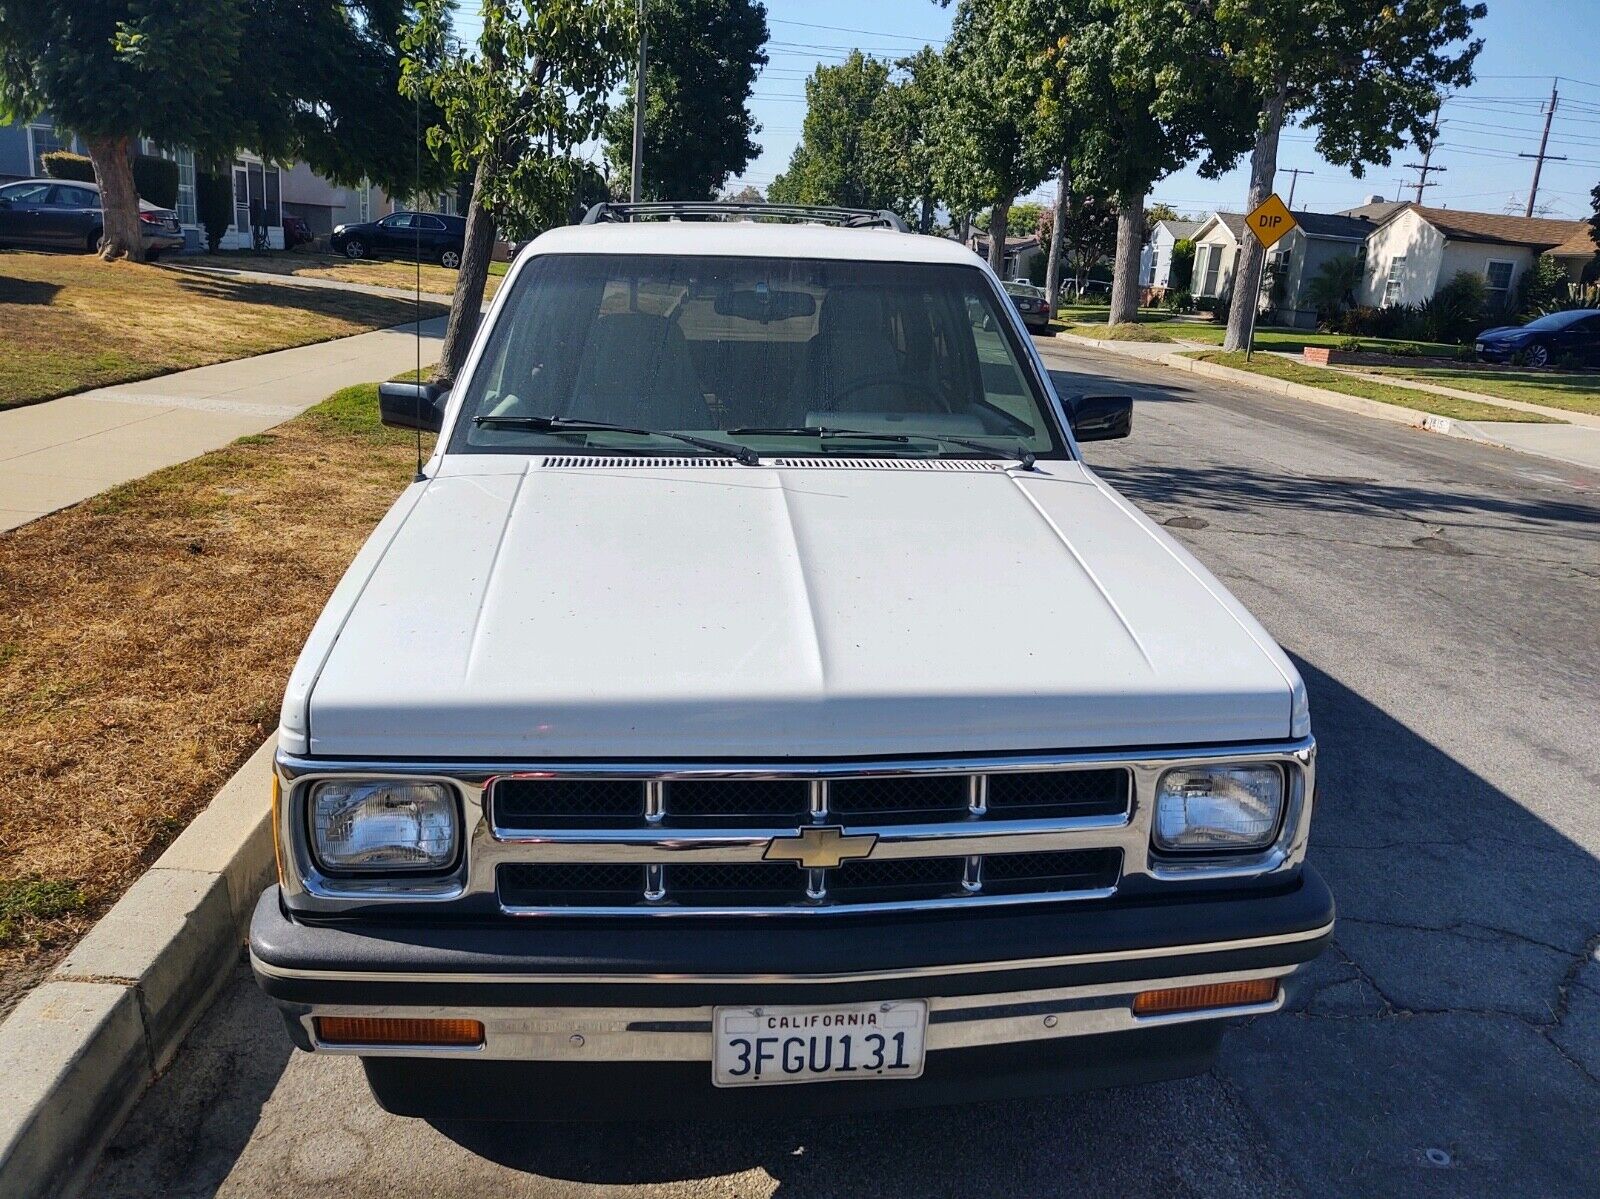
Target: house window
(1497,284)
(1213,257)
(366,201)
(1391,284)
(42,140)
(187,213)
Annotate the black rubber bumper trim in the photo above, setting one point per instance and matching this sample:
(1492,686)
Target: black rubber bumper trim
(519,951)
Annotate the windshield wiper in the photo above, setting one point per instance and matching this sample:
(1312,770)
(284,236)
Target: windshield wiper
(567,424)
(1023,454)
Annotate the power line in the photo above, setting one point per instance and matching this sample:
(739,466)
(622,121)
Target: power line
(899,37)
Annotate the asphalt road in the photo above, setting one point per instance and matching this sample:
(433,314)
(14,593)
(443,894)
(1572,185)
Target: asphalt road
(1443,601)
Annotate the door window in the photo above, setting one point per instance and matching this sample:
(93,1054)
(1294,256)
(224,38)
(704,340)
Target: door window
(398,220)
(74,197)
(431,223)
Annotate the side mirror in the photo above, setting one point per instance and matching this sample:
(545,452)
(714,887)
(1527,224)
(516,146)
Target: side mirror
(412,405)
(1100,418)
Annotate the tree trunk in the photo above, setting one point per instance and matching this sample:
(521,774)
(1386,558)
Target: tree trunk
(925,225)
(998,216)
(1125,266)
(1247,272)
(1052,268)
(467,302)
(119,198)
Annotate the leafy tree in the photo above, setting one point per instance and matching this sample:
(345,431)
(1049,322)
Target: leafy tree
(993,141)
(287,78)
(513,109)
(832,164)
(1155,213)
(1594,221)
(1088,234)
(1542,288)
(1147,89)
(703,60)
(901,137)
(748,194)
(1366,73)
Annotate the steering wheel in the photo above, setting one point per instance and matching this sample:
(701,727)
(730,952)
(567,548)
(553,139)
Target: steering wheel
(915,385)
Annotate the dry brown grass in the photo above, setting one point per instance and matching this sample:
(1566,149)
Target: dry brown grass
(145,638)
(379,272)
(70,321)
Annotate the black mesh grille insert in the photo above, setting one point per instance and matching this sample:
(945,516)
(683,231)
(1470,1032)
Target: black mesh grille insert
(896,879)
(909,799)
(732,884)
(757,803)
(571,884)
(1049,794)
(1065,870)
(522,804)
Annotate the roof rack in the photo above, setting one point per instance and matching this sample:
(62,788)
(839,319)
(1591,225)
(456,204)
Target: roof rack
(846,218)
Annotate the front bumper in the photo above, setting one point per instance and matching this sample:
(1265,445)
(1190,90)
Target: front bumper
(1019,1002)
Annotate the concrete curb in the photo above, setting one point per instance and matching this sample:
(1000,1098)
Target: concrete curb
(82,1047)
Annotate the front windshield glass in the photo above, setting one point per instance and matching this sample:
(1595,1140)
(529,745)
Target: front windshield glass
(759,353)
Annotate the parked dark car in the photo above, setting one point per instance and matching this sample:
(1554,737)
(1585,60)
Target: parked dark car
(433,236)
(63,214)
(1031,302)
(1573,334)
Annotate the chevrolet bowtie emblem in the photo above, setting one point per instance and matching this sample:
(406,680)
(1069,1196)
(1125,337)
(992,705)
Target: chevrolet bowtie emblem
(820,848)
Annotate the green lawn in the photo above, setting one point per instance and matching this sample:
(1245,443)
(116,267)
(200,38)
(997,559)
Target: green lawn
(1572,391)
(1355,385)
(1289,340)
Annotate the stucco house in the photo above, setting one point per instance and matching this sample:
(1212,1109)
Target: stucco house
(1417,249)
(1299,256)
(1155,257)
(1216,253)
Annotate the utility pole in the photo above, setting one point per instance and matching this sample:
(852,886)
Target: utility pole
(1426,167)
(1295,172)
(637,170)
(1541,156)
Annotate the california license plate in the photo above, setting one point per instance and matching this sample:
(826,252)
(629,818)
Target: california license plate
(760,1046)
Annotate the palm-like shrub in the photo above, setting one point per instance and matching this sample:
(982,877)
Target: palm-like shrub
(1333,288)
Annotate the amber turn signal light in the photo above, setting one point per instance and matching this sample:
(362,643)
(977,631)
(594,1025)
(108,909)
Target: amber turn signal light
(1211,995)
(384,1030)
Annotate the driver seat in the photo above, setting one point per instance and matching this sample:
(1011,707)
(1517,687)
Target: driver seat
(852,344)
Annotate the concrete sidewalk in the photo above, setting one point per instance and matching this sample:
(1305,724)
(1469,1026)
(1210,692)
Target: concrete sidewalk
(62,451)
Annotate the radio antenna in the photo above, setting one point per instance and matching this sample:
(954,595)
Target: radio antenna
(416,237)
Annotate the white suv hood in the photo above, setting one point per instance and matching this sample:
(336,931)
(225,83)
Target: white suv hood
(516,609)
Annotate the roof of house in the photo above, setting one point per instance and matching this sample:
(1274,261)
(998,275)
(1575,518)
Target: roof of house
(1377,212)
(1331,225)
(1537,233)
(1580,244)
(1180,229)
(1013,244)
(1233,222)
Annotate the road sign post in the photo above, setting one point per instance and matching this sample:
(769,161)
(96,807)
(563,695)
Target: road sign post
(1270,222)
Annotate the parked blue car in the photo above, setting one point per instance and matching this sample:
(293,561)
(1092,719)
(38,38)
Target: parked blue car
(1572,334)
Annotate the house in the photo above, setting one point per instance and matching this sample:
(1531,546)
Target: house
(1417,249)
(1019,253)
(1298,258)
(1155,257)
(1376,209)
(293,190)
(1216,253)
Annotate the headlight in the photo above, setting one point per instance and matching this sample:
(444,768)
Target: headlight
(391,825)
(1218,808)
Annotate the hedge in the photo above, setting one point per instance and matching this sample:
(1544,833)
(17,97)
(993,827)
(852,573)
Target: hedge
(64,164)
(156,179)
(213,198)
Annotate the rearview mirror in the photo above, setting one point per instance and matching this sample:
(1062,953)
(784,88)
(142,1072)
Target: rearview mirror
(759,304)
(1100,418)
(412,405)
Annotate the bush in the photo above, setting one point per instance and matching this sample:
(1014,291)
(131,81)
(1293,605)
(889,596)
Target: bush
(1181,274)
(156,180)
(64,164)
(1466,354)
(1542,288)
(1224,304)
(1455,311)
(1179,301)
(1350,345)
(213,201)
(1407,349)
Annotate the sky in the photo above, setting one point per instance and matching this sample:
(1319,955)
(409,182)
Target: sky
(1528,44)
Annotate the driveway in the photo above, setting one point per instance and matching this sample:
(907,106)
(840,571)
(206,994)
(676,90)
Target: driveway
(1441,598)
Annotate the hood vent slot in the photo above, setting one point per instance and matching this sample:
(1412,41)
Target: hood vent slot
(957,464)
(635,461)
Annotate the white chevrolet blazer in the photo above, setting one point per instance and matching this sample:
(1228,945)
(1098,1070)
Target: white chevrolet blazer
(756,695)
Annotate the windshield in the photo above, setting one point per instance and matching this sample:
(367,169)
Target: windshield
(775,355)
(1559,320)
